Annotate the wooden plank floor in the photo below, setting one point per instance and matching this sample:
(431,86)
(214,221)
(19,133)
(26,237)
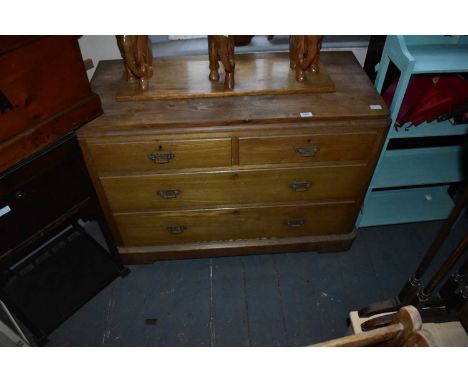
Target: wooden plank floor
(267,300)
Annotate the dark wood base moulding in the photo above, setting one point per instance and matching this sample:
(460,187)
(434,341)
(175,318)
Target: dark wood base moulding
(150,254)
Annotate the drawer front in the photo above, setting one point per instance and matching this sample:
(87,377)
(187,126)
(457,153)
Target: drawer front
(168,191)
(306,148)
(161,155)
(235,223)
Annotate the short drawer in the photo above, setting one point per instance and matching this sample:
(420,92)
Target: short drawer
(160,155)
(166,191)
(235,223)
(306,148)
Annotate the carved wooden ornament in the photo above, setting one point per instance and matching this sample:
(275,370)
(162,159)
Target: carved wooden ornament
(138,58)
(304,54)
(221,48)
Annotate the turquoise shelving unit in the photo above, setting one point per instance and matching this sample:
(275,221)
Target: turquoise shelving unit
(411,185)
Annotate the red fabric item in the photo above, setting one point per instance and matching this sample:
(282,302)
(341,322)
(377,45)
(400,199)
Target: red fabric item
(428,98)
(418,86)
(448,93)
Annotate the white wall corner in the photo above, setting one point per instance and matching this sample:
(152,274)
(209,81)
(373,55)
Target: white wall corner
(98,48)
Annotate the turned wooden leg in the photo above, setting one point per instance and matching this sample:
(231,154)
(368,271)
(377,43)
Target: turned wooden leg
(227,58)
(314,66)
(298,56)
(229,80)
(150,70)
(214,75)
(213,58)
(130,77)
(300,75)
(292,58)
(144,82)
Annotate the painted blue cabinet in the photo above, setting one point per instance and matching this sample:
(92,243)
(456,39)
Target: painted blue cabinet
(410,185)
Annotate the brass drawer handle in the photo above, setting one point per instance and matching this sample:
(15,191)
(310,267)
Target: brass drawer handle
(169,193)
(299,186)
(294,223)
(307,151)
(161,158)
(176,229)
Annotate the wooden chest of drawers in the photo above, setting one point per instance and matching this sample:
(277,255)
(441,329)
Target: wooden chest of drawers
(235,175)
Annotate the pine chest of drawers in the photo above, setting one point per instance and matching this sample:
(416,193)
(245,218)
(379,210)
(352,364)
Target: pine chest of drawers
(235,175)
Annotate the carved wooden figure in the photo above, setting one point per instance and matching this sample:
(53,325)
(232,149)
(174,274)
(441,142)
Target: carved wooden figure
(221,48)
(138,58)
(304,53)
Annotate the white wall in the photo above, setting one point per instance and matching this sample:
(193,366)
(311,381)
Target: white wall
(98,48)
(359,53)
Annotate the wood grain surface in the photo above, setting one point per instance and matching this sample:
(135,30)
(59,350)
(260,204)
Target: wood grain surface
(141,192)
(37,89)
(306,148)
(316,243)
(44,84)
(173,154)
(352,99)
(256,73)
(234,175)
(234,223)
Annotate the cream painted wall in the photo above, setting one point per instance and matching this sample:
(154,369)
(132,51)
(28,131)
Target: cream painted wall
(359,53)
(98,48)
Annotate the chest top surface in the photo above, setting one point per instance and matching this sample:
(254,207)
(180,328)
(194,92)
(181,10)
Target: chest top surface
(354,99)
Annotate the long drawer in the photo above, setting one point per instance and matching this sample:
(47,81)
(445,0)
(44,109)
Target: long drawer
(168,191)
(161,154)
(155,228)
(306,148)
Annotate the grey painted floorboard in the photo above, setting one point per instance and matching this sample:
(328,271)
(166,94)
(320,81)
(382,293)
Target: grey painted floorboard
(229,310)
(265,309)
(180,301)
(87,326)
(302,294)
(266,300)
(125,326)
(174,298)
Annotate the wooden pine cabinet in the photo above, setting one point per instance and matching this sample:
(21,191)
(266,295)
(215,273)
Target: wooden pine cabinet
(235,175)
